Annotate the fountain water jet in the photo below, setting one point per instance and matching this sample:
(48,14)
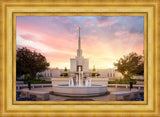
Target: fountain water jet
(71,82)
(79,89)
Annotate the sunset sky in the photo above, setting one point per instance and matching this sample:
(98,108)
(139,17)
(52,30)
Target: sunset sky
(104,39)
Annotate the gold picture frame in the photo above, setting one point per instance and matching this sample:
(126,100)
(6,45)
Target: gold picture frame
(150,9)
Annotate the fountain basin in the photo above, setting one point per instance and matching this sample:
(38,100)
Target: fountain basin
(80,90)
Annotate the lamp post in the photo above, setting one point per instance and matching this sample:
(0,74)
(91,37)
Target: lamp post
(29,85)
(131,85)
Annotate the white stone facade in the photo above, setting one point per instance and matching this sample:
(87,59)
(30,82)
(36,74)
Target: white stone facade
(79,60)
(51,73)
(74,64)
(58,81)
(80,90)
(109,73)
(99,81)
(106,73)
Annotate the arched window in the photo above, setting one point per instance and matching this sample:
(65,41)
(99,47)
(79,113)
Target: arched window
(113,74)
(110,74)
(107,75)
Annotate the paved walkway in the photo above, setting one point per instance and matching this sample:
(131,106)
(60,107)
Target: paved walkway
(64,98)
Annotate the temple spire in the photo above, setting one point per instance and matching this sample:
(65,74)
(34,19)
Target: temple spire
(79,41)
(79,51)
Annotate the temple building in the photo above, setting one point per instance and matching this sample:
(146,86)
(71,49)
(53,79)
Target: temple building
(79,61)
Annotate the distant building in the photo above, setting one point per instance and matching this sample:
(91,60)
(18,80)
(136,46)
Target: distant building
(51,73)
(109,73)
(106,73)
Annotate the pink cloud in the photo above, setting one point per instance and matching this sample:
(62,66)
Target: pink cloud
(131,42)
(28,37)
(89,22)
(102,49)
(121,33)
(107,23)
(53,41)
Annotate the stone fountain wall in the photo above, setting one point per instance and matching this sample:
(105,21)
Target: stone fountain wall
(98,81)
(58,81)
(95,81)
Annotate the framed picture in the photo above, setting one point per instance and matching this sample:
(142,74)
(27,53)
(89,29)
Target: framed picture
(63,58)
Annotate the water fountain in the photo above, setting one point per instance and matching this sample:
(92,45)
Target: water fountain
(79,88)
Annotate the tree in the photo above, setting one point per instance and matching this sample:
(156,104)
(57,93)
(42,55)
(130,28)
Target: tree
(93,74)
(98,74)
(39,76)
(27,76)
(28,62)
(61,75)
(65,74)
(130,65)
(65,69)
(94,69)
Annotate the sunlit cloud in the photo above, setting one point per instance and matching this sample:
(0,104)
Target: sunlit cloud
(39,46)
(104,39)
(107,23)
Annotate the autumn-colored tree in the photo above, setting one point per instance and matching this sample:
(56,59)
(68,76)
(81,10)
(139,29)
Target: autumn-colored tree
(94,69)
(28,62)
(130,65)
(65,69)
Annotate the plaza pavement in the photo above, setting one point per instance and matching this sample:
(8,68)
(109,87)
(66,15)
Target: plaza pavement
(64,98)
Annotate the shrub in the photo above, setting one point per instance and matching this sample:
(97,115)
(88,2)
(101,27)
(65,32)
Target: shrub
(93,74)
(123,81)
(65,74)
(36,81)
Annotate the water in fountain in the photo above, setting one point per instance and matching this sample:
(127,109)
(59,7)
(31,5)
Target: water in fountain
(71,83)
(86,82)
(90,82)
(79,80)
